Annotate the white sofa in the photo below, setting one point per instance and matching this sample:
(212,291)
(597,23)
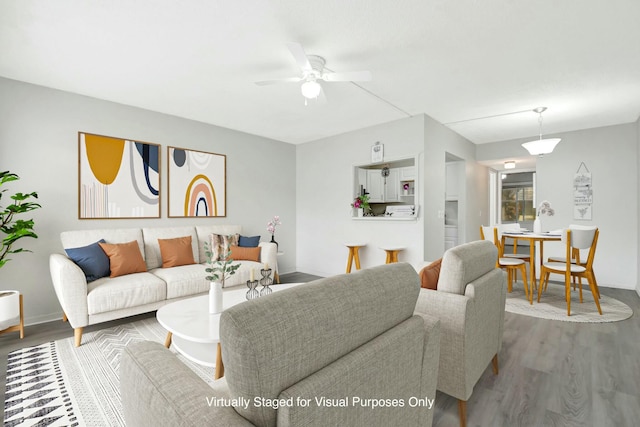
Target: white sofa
(113,298)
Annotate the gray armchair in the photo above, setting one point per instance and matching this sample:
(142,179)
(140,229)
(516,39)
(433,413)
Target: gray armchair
(351,336)
(470,304)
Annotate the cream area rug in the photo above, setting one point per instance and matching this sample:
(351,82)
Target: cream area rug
(553,305)
(57,384)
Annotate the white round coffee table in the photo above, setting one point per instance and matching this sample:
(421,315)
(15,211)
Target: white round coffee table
(194,332)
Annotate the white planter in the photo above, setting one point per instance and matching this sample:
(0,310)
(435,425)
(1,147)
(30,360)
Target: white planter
(9,309)
(215,297)
(360,212)
(537,226)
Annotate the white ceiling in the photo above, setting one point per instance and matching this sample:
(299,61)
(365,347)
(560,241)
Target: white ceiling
(452,60)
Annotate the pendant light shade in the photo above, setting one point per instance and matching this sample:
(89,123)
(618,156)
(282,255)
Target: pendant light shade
(541,146)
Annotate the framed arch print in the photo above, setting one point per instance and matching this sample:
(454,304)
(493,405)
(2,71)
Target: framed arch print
(197,183)
(117,178)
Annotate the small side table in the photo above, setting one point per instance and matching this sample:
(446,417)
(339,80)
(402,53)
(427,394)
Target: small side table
(276,276)
(353,255)
(11,307)
(392,253)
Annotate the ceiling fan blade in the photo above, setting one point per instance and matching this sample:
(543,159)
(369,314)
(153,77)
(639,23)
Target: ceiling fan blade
(275,81)
(298,54)
(322,96)
(351,76)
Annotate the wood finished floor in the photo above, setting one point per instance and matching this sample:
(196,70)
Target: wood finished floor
(552,373)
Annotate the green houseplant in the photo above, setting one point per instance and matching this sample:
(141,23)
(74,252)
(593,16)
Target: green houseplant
(12,228)
(218,271)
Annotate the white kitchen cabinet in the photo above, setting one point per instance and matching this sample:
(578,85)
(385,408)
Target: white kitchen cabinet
(452,183)
(381,191)
(408,173)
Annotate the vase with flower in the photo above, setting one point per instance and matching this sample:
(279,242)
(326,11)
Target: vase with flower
(544,209)
(271,228)
(405,188)
(361,204)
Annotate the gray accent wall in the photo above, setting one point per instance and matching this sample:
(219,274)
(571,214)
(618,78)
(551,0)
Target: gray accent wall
(611,155)
(39,142)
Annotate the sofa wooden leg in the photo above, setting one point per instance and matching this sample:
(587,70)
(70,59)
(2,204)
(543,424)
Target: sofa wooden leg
(77,333)
(494,362)
(462,408)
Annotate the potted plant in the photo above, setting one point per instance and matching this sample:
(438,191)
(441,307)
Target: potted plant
(361,203)
(13,229)
(218,271)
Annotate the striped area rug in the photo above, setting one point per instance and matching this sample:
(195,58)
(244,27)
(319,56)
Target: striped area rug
(553,305)
(57,384)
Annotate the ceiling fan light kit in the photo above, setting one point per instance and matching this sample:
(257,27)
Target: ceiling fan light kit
(313,69)
(541,146)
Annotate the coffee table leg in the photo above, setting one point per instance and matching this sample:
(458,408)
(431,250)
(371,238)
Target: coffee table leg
(167,342)
(219,366)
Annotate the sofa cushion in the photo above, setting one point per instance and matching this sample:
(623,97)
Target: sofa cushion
(204,235)
(152,248)
(429,275)
(176,251)
(91,259)
(124,258)
(238,253)
(183,280)
(73,239)
(464,263)
(132,290)
(221,244)
(249,242)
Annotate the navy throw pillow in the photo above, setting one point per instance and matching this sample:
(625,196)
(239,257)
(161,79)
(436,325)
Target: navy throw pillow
(91,259)
(249,242)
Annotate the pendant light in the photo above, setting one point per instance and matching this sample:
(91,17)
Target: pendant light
(541,146)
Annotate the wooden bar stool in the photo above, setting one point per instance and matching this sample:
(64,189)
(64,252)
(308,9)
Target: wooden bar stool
(392,253)
(353,255)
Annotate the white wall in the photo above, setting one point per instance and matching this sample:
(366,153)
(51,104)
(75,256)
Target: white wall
(473,197)
(611,155)
(38,141)
(325,192)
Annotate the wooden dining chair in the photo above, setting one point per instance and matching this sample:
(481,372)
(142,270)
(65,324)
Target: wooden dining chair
(574,238)
(511,265)
(576,258)
(514,227)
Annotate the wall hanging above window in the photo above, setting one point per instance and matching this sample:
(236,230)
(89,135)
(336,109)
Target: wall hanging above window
(117,178)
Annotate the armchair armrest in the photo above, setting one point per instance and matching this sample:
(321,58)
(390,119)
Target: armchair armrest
(157,389)
(70,285)
(269,254)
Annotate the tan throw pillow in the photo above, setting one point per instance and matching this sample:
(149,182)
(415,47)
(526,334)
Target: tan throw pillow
(221,244)
(239,253)
(176,251)
(124,258)
(430,274)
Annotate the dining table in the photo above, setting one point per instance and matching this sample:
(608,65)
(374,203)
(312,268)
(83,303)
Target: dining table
(532,238)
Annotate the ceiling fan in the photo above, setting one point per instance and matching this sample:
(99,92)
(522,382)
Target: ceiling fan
(313,69)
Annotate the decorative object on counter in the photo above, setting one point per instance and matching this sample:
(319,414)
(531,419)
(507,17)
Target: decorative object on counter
(361,203)
(405,187)
(544,209)
(377,152)
(219,271)
(271,228)
(266,281)
(12,229)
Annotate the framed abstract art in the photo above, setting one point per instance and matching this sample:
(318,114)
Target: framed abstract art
(117,178)
(197,183)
